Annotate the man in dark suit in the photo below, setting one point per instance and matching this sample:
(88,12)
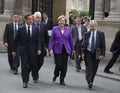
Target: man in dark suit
(48,21)
(93,51)
(8,39)
(42,30)
(115,49)
(78,34)
(29,47)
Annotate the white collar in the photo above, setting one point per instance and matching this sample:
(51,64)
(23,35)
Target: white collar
(28,25)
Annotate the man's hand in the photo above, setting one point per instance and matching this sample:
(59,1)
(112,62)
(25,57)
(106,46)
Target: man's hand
(13,54)
(6,45)
(101,57)
(38,52)
(73,52)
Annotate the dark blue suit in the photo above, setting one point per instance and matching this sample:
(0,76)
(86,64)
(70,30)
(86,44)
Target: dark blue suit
(28,51)
(42,33)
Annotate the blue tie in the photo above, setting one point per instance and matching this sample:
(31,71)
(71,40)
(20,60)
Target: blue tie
(38,27)
(93,43)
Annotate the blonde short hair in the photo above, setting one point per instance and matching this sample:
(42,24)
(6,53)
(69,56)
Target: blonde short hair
(60,17)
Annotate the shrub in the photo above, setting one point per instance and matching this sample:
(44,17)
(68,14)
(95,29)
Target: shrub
(79,13)
(83,13)
(75,12)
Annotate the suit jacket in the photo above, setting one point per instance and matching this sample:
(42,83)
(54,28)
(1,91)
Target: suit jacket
(8,36)
(100,42)
(75,33)
(116,43)
(49,24)
(43,35)
(27,44)
(57,40)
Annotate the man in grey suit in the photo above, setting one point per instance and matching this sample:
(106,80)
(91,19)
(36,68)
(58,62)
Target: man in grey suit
(78,31)
(93,51)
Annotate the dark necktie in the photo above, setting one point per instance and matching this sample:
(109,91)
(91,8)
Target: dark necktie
(93,43)
(29,32)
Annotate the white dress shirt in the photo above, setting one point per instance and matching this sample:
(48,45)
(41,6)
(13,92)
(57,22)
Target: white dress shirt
(16,25)
(79,32)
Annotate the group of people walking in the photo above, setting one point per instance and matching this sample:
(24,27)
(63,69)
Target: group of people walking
(29,41)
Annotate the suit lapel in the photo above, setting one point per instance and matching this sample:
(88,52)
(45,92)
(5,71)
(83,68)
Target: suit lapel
(76,30)
(12,27)
(82,31)
(59,31)
(25,29)
(97,38)
(88,36)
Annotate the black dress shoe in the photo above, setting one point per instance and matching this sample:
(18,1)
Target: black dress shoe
(90,85)
(77,70)
(108,71)
(62,83)
(54,79)
(15,72)
(25,85)
(34,81)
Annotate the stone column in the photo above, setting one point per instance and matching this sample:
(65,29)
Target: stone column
(99,10)
(1,8)
(9,7)
(114,10)
(27,6)
(18,6)
(85,5)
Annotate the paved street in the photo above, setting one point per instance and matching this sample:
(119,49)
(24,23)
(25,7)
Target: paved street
(75,82)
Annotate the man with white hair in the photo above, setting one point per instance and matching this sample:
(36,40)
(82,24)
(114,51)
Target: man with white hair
(42,29)
(93,50)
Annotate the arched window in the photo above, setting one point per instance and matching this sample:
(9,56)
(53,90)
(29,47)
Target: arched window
(1,6)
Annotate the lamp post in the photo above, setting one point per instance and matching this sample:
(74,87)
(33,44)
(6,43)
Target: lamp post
(91,9)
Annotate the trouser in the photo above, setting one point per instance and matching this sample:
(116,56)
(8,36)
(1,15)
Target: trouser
(112,60)
(40,62)
(61,61)
(10,58)
(91,66)
(16,62)
(13,61)
(78,57)
(28,64)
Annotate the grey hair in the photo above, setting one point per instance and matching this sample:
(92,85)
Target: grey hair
(37,13)
(93,22)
